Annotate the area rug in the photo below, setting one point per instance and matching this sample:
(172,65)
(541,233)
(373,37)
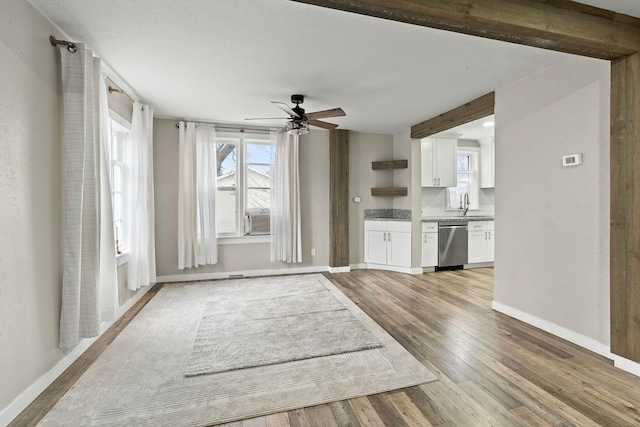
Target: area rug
(236,333)
(140,378)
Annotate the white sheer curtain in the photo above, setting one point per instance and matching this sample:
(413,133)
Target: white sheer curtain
(83,280)
(142,269)
(197,237)
(286,238)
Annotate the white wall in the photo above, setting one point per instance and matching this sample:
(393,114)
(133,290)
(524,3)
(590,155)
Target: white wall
(31,206)
(365,148)
(30,269)
(552,223)
(406,148)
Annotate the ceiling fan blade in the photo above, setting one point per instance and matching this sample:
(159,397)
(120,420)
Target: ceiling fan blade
(323,125)
(284,107)
(334,112)
(267,118)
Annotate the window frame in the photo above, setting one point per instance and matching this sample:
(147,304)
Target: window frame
(474,193)
(121,125)
(241,140)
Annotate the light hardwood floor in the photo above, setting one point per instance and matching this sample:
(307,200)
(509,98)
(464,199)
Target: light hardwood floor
(493,370)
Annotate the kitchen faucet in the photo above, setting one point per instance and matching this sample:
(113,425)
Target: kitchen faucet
(466,204)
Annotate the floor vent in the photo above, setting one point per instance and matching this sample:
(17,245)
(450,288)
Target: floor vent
(236,276)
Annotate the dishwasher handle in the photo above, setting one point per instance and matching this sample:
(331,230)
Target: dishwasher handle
(454,226)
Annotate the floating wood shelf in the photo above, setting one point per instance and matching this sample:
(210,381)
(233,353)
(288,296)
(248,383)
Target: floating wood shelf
(390,164)
(389,191)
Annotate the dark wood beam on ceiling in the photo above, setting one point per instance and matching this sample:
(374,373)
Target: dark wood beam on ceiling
(476,109)
(560,25)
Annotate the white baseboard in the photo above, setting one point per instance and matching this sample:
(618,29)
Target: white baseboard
(478,265)
(345,269)
(362,266)
(246,273)
(406,270)
(626,365)
(552,328)
(25,398)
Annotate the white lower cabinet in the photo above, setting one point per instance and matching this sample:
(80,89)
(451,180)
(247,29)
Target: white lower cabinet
(429,244)
(387,243)
(481,241)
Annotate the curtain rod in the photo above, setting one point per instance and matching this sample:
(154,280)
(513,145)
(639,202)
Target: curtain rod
(71,47)
(240,129)
(118,90)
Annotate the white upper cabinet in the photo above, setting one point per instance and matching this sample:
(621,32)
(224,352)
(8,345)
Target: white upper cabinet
(438,157)
(487,163)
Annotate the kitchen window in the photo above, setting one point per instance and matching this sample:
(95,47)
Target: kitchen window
(467,170)
(244,173)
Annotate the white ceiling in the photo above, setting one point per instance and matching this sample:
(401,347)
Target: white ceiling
(224,60)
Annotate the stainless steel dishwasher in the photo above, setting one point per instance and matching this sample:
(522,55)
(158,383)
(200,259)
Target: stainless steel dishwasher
(452,243)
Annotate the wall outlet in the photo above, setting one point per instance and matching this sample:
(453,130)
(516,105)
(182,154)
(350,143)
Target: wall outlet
(313,251)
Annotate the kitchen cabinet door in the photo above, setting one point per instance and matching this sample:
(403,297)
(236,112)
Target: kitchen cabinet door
(438,162)
(429,249)
(427,172)
(375,247)
(487,164)
(399,249)
(490,245)
(446,167)
(477,246)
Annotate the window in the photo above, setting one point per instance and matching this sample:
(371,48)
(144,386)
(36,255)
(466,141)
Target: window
(467,162)
(243,179)
(120,134)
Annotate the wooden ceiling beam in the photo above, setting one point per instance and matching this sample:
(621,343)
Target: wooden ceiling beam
(560,25)
(473,110)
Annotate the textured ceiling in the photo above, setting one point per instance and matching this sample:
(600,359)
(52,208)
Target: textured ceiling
(224,60)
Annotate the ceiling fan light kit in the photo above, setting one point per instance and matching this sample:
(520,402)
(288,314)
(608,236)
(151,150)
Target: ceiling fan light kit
(297,127)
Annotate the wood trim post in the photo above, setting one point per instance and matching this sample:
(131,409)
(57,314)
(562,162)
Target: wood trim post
(625,207)
(339,198)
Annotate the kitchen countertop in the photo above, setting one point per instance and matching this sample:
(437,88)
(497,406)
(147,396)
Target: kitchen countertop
(458,218)
(387,215)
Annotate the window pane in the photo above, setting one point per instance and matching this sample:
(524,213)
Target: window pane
(263,154)
(463,163)
(259,160)
(120,164)
(117,206)
(258,199)
(227,180)
(117,178)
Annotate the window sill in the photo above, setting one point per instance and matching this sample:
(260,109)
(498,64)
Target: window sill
(239,240)
(460,210)
(122,258)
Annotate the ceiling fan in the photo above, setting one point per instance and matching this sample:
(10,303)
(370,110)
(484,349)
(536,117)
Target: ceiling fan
(299,121)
